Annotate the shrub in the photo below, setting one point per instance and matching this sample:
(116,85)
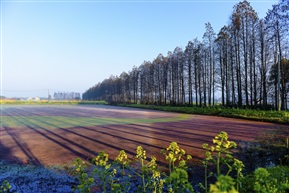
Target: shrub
(269,180)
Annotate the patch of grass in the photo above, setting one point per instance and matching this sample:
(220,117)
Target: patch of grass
(50,102)
(250,114)
(50,122)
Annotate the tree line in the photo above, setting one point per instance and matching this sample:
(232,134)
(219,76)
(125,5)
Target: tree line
(66,96)
(245,64)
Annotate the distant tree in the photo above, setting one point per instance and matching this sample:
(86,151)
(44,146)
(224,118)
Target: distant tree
(264,58)
(277,22)
(160,78)
(284,72)
(197,60)
(208,39)
(223,49)
(189,54)
(165,78)
(134,78)
(243,22)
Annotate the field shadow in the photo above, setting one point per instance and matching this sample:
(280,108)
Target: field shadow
(115,133)
(5,152)
(58,139)
(128,132)
(32,159)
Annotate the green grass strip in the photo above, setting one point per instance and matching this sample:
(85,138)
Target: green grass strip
(51,102)
(250,114)
(50,122)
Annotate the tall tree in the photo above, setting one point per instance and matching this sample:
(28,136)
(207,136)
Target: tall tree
(134,82)
(189,61)
(208,38)
(264,58)
(243,20)
(277,21)
(222,42)
(284,73)
(197,49)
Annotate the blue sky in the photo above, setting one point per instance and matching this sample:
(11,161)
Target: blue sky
(72,45)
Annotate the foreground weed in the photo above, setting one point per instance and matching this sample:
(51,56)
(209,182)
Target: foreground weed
(156,182)
(80,172)
(145,174)
(105,173)
(265,184)
(123,160)
(269,180)
(5,186)
(149,173)
(224,184)
(175,155)
(177,180)
(221,156)
(141,155)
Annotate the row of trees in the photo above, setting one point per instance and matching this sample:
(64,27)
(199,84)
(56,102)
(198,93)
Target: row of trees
(244,64)
(66,96)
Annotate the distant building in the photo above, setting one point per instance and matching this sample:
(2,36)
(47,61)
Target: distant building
(33,99)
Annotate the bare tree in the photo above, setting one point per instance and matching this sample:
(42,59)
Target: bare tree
(208,39)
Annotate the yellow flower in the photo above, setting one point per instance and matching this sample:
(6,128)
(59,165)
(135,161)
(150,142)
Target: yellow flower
(156,174)
(189,157)
(113,171)
(107,166)
(212,148)
(205,145)
(140,153)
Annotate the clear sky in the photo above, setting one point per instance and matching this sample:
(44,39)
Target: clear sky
(72,45)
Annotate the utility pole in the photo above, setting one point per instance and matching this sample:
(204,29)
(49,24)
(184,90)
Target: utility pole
(278,84)
(48,98)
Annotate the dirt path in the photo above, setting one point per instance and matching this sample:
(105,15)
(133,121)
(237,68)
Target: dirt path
(31,142)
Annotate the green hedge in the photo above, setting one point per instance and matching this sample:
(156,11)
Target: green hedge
(250,114)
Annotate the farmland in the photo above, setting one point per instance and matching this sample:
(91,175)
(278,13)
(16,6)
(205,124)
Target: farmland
(56,134)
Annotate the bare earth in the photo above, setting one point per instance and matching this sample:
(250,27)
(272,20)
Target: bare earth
(32,144)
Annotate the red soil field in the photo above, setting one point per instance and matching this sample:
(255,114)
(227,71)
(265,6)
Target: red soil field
(36,145)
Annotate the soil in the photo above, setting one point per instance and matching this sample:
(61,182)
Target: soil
(41,146)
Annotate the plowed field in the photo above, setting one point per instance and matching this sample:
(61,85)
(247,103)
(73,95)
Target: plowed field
(50,134)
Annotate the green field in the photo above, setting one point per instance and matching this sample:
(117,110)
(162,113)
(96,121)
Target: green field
(50,122)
